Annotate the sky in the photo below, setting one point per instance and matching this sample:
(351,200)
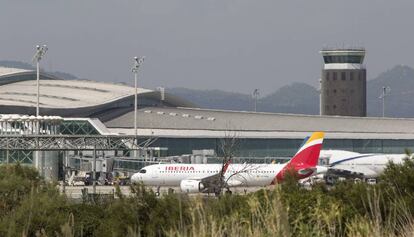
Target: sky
(232,45)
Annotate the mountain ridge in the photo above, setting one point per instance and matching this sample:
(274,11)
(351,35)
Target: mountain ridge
(302,98)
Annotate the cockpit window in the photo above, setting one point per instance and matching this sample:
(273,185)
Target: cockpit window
(143,171)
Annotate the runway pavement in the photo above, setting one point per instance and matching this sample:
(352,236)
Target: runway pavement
(75,192)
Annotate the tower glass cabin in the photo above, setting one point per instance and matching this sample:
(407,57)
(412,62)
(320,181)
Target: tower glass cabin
(343,83)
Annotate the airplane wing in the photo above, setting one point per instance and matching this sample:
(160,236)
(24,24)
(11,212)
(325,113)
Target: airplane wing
(344,173)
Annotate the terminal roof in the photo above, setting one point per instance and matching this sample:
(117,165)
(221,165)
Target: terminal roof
(64,93)
(186,122)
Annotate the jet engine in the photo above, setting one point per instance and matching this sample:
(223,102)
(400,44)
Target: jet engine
(191,186)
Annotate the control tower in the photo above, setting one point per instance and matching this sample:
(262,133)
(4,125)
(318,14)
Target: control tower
(343,83)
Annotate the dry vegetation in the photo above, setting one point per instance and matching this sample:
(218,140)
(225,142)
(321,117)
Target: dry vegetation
(30,207)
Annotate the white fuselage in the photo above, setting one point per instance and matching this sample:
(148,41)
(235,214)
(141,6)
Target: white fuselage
(236,174)
(371,165)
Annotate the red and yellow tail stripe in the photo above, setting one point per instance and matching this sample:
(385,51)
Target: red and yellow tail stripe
(305,159)
(316,138)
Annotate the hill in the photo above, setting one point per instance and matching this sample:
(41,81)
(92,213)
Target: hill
(214,99)
(399,102)
(301,98)
(294,98)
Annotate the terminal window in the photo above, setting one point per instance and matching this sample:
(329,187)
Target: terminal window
(343,76)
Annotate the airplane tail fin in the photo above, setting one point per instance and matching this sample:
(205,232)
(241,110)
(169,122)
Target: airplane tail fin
(308,153)
(304,141)
(305,160)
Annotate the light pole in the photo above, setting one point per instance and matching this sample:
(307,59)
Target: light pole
(40,53)
(255,95)
(137,63)
(385,92)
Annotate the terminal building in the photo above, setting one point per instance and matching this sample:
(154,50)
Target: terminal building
(83,107)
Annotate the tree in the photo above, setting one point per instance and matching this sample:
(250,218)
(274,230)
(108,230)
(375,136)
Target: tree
(229,147)
(400,176)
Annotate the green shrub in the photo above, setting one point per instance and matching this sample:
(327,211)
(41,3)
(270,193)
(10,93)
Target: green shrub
(16,183)
(43,209)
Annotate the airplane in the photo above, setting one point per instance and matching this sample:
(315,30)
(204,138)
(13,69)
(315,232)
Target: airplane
(347,163)
(209,178)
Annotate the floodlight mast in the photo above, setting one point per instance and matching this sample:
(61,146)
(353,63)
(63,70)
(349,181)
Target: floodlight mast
(255,96)
(137,63)
(40,53)
(385,92)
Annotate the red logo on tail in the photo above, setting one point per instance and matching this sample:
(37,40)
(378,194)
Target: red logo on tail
(304,162)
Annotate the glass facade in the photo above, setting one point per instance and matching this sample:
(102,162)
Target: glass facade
(250,149)
(132,165)
(343,59)
(281,147)
(22,157)
(77,127)
(247,150)
(73,127)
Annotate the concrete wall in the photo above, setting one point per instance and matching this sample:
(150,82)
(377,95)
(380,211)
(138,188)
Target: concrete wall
(47,163)
(343,92)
